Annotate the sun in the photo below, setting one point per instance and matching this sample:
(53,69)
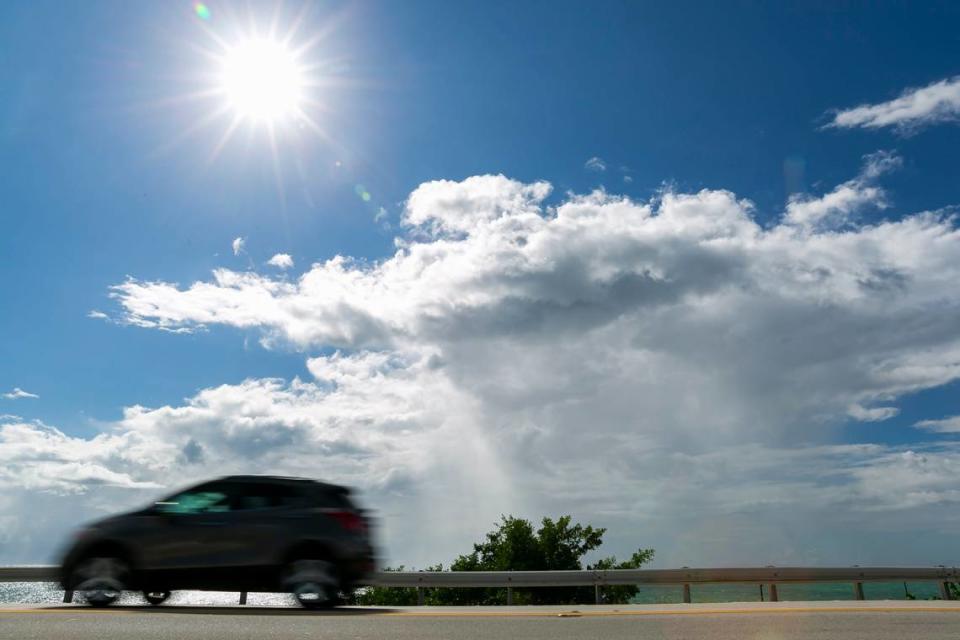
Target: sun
(263,80)
(269,79)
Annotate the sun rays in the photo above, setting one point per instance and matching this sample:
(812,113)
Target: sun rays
(262,77)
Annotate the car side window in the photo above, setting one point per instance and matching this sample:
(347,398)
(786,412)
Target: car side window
(209,499)
(265,496)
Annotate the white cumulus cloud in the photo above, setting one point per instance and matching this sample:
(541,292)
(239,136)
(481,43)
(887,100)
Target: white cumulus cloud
(445,206)
(419,448)
(238,245)
(281,261)
(649,366)
(935,103)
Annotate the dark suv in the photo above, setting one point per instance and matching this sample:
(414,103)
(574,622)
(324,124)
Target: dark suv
(239,533)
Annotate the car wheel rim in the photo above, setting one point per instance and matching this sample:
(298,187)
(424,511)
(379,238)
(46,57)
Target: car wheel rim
(312,582)
(100,580)
(311,592)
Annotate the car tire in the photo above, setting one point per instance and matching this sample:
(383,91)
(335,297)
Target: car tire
(100,579)
(156,598)
(314,582)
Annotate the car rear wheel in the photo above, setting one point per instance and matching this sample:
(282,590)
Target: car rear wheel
(156,597)
(313,582)
(100,580)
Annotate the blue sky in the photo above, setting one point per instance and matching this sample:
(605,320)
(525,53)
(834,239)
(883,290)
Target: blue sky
(108,172)
(690,95)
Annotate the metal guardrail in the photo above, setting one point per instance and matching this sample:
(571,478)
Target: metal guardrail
(42,573)
(684,577)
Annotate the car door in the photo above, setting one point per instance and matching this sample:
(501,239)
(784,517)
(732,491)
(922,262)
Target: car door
(180,549)
(257,532)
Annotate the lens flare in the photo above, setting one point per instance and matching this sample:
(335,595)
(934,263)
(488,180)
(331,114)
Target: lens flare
(361,191)
(202,11)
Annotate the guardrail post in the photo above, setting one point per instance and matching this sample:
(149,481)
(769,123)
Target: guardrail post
(686,593)
(243,597)
(858,590)
(68,596)
(420,596)
(774,596)
(509,596)
(945,590)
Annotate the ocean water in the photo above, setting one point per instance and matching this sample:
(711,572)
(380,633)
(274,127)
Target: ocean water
(786,592)
(46,592)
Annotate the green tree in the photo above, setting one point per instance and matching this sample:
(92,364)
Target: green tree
(622,593)
(388,596)
(563,545)
(514,545)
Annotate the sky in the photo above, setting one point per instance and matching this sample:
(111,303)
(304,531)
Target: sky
(685,271)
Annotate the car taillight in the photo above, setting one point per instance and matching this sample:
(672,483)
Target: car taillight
(349,520)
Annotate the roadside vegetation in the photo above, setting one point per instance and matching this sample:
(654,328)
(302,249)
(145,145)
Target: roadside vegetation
(515,545)
(953,590)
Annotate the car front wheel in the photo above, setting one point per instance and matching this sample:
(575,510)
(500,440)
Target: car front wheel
(100,580)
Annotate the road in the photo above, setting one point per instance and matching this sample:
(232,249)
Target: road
(744,621)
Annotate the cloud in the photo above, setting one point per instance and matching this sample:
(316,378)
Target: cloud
(389,424)
(483,261)
(281,261)
(874,414)
(37,456)
(595,164)
(238,245)
(484,267)
(19,393)
(946,425)
(838,206)
(98,315)
(650,366)
(446,207)
(915,108)
(419,448)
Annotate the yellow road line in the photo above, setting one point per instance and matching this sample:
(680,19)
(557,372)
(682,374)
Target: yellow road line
(657,612)
(573,613)
(65,610)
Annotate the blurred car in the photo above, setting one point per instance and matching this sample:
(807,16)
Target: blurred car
(238,533)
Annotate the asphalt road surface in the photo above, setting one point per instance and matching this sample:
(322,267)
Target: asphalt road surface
(770,621)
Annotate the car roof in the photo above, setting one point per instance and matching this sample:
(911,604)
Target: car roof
(284,480)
